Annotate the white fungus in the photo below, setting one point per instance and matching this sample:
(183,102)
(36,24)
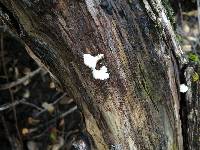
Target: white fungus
(183,88)
(91,62)
(100,74)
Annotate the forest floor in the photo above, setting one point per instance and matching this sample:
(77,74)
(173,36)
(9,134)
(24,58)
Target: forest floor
(34,112)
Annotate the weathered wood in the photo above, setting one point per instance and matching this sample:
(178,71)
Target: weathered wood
(138,106)
(190,110)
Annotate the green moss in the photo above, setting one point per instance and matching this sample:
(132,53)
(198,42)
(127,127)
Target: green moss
(195,77)
(193,57)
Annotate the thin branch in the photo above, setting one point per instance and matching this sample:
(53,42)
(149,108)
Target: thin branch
(61,97)
(7,133)
(62,115)
(7,106)
(10,91)
(56,101)
(20,81)
(68,112)
(32,105)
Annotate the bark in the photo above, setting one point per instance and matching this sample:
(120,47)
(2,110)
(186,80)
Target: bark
(190,110)
(138,106)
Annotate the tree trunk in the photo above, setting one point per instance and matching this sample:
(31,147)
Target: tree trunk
(137,107)
(190,111)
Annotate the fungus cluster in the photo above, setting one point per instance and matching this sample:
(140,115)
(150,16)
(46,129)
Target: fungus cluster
(91,62)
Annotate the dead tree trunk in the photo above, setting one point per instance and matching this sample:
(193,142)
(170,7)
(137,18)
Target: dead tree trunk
(190,111)
(137,107)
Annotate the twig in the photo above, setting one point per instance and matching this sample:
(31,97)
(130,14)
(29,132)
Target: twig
(11,94)
(68,112)
(7,132)
(59,116)
(19,81)
(54,119)
(22,101)
(56,101)
(32,105)
(7,106)
(41,133)
(61,97)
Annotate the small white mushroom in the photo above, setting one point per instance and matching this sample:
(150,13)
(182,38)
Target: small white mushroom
(183,88)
